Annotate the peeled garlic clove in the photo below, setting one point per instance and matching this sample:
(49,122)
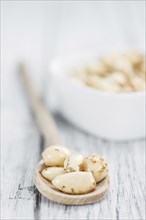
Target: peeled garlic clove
(51,172)
(108,85)
(124,65)
(97,68)
(109,59)
(55,155)
(142,67)
(97,165)
(73,162)
(134,57)
(119,78)
(75,182)
(137,83)
(92,81)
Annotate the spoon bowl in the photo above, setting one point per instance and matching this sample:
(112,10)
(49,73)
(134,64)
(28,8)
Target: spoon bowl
(46,188)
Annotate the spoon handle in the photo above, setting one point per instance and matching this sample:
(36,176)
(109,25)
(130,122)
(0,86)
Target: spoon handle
(43,117)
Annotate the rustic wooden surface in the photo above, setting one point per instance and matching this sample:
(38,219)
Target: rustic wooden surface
(22,145)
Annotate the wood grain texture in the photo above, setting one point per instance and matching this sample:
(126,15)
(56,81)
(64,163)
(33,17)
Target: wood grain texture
(22,144)
(21,153)
(50,134)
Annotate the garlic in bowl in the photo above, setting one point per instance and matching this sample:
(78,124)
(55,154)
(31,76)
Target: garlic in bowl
(121,72)
(114,111)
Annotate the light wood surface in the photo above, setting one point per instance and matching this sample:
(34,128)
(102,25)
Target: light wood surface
(21,153)
(50,134)
(21,140)
(20,198)
(47,189)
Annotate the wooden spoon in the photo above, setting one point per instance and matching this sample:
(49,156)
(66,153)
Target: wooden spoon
(50,133)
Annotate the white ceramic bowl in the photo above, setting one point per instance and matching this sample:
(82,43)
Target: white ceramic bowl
(108,115)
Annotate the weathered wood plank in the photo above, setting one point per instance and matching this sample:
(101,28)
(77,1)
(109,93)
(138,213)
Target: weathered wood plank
(21,200)
(21,150)
(21,141)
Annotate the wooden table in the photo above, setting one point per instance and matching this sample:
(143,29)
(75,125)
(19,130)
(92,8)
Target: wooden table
(66,28)
(22,145)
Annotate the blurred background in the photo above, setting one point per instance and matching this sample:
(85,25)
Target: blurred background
(35,32)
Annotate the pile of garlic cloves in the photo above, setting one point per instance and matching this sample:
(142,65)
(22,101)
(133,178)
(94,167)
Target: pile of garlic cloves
(115,72)
(71,172)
